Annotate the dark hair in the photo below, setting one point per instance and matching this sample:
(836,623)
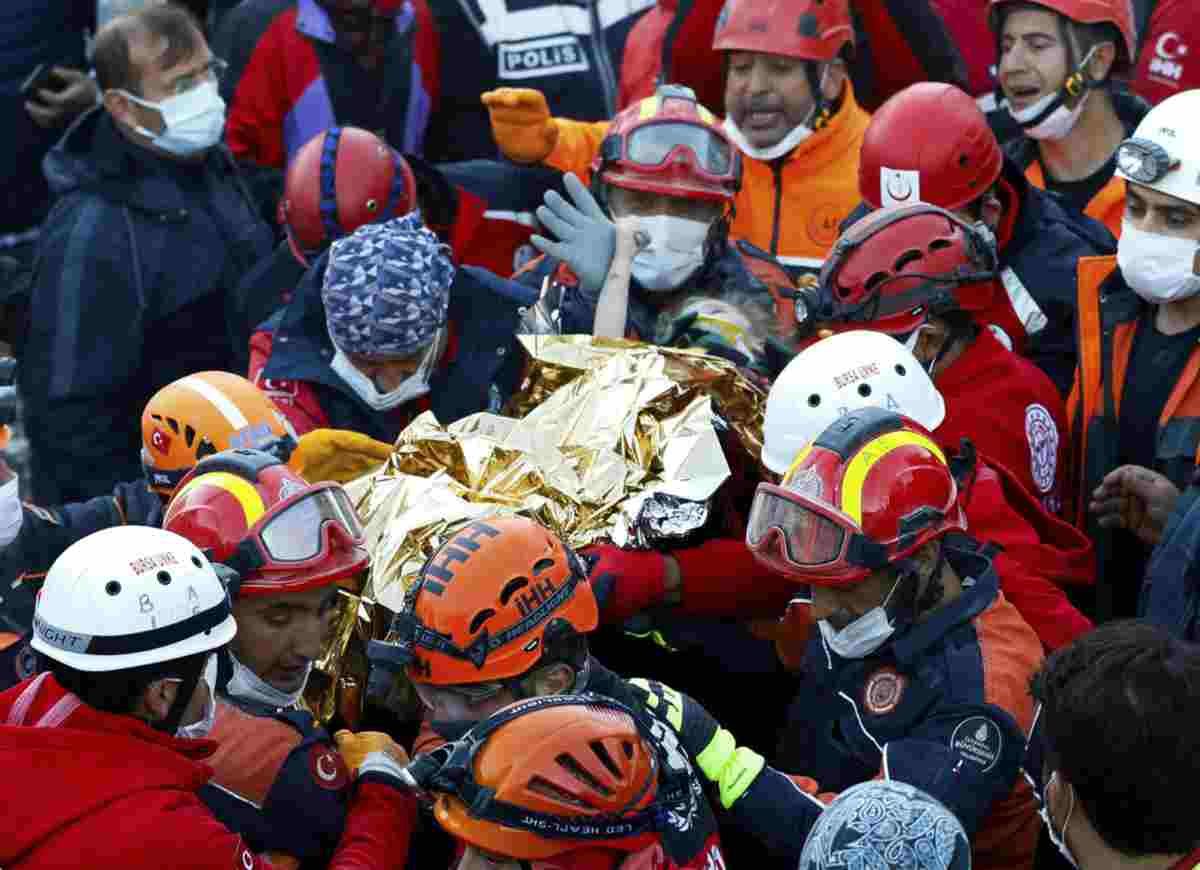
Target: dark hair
(114,66)
(1087,36)
(1119,716)
(118,691)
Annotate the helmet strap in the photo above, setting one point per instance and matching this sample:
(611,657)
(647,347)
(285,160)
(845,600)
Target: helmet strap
(188,680)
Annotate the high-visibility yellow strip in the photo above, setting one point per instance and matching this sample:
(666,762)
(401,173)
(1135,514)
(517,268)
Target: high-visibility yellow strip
(861,465)
(241,489)
(649,108)
(705,115)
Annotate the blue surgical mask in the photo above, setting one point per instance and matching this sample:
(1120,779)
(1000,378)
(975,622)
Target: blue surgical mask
(864,635)
(194,120)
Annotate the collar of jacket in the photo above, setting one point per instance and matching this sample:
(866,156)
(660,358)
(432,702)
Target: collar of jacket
(314,22)
(968,561)
(842,134)
(1130,109)
(976,360)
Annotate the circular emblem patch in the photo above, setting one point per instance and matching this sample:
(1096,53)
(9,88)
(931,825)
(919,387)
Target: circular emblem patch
(883,691)
(823,224)
(328,769)
(1042,435)
(978,740)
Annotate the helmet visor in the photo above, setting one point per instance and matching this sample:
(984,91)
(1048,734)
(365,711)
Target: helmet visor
(295,533)
(650,145)
(810,538)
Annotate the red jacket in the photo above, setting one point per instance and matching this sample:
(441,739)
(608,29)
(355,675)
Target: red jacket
(1169,58)
(1012,413)
(92,789)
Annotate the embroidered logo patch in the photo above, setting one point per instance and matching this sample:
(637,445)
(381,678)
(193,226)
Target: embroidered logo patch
(978,740)
(327,768)
(549,56)
(1042,435)
(883,691)
(160,441)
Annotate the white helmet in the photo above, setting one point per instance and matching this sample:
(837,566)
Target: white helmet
(130,596)
(1164,153)
(839,374)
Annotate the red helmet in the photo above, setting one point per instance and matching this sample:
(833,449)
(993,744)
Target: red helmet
(928,143)
(671,145)
(898,265)
(805,29)
(872,489)
(1118,13)
(339,180)
(490,601)
(249,511)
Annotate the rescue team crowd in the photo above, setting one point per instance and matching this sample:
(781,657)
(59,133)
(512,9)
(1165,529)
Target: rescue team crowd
(947,621)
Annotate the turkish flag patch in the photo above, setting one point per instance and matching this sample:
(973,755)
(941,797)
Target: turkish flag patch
(160,441)
(328,769)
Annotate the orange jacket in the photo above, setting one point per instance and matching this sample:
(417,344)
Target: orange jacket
(1108,321)
(789,207)
(1107,206)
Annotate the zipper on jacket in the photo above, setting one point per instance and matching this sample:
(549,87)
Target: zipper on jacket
(777,172)
(608,79)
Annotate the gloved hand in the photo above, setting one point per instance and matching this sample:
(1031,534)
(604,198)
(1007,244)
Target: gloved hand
(587,238)
(370,749)
(338,455)
(625,582)
(521,123)
(711,748)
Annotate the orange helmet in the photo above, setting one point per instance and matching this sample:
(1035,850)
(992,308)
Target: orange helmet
(557,775)
(491,601)
(203,414)
(249,511)
(871,490)
(339,180)
(806,29)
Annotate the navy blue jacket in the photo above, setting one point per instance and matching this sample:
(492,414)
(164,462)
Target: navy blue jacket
(935,707)
(133,266)
(485,370)
(1171,590)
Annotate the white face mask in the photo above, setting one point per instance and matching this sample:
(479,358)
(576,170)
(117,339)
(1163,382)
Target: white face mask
(1059,839)
(1156,267)
(248,686)
(12,513)
(194,120)
(863,636)
(204,725)
(1054,126)
(675,252)
(414,386)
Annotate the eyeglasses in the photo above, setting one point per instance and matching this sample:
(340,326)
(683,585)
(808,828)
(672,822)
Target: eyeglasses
(1144,161)
(214,71)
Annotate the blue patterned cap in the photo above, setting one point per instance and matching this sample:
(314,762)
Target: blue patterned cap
(886,825)
(387,288)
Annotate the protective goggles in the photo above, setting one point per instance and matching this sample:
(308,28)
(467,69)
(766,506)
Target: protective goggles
(1144,161)
(653,145)
(300,532)
(803,538)
(462,697)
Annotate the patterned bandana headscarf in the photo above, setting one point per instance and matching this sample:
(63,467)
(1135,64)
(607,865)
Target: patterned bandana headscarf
(387,288)
(882,824)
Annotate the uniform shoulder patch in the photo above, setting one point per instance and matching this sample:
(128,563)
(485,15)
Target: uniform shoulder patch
(979,740)
(1042,435)
(327,768)
(883,691)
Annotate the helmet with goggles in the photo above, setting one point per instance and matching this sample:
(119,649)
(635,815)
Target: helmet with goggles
(1162,154)
(871,490)
(203,414)
(492,603)
(897,266)
(555,776)
(339,180)
(668,144)
(249,511)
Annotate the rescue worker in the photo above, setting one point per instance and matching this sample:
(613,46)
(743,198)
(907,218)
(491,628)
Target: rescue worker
(103,745)
(185,421)
(279,779)
(501,613)
(1038,554)
(790,109)
(921,669)
(1057,65)
(669,172)
(608,770)
(931,280)
(931,143)
(387,329)
(1135,394)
